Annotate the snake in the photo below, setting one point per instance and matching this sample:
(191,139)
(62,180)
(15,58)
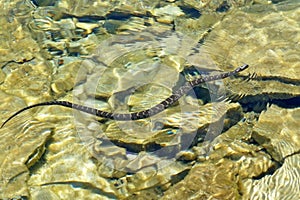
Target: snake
(174,97)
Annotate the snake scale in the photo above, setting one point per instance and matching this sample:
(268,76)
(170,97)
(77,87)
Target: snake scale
(141,114)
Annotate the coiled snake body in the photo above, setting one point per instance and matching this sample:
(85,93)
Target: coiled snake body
(141,114)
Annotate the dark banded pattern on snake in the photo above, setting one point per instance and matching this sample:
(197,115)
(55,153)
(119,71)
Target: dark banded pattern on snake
(142,114)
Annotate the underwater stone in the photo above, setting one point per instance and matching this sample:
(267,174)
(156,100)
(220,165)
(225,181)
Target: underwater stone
(88,27)
(282,184)
(44,2)
(205,181)
(274,71)
(25,151)
(278,131)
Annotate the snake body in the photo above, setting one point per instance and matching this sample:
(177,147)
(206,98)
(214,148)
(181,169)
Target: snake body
(141,114)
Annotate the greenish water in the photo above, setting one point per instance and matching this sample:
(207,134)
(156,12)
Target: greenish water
(236,138)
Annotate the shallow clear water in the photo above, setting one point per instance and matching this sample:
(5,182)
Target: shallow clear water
(235,138)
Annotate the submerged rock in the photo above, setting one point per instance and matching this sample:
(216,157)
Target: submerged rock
(283,184)
(206,181)
(44,2)
(220,174)
(21,47)
(273,55)
(278,131)
(25,150)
